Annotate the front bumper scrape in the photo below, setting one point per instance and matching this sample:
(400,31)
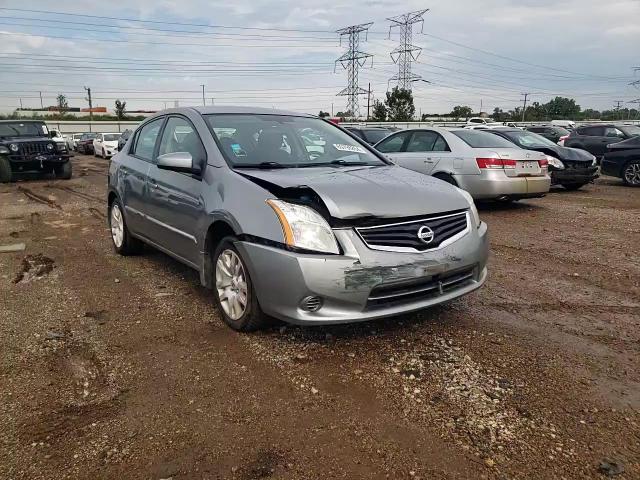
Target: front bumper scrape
(347,283)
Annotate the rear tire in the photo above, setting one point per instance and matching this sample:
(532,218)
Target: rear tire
(573,186)
(231,283)
(5,170)
(631,173)
(447,178)
(123,243)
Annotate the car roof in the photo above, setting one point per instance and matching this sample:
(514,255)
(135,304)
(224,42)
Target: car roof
(366,127)
(205,110)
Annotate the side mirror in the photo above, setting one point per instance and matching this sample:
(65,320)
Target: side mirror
(179,162)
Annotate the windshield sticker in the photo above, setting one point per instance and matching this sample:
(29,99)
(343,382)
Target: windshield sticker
(238,151)
(45,130)
(349,148)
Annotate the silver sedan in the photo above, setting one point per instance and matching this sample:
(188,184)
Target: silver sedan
(485,165)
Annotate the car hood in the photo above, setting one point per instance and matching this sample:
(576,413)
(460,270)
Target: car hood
(352,192)
(25,139)
(573,154)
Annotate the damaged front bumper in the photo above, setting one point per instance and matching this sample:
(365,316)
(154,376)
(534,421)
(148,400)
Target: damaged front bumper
(363,284)
(574,175)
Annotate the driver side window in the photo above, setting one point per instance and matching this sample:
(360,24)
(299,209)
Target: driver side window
(394,143)
(180,136)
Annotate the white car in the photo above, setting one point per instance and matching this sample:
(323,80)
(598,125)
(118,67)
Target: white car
(105,145)
(487,166)
(74,141)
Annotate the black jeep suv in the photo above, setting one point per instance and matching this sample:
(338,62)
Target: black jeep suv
(25,146)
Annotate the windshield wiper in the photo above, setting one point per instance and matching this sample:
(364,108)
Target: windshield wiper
(263,165)
(347,163)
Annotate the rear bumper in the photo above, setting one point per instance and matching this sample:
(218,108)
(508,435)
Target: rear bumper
(347,284)
(574,175)
(495,184)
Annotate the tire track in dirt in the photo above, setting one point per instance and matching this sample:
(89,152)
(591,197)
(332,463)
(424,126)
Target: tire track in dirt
(30,194)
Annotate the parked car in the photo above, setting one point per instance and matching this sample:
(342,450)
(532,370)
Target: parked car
(85,144)
(595,138)
(485,165)
(550,132)
(105,145)
(57,136)
(25,146)
(276,229)
(570,167)
(623,160)
(566,124)
(75,138)
(122,141)
(371,135)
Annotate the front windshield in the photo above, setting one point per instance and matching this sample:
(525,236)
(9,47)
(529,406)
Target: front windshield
(18,129)
(529,140)
(285,141)
(111,137)
(480,139)
(631,130)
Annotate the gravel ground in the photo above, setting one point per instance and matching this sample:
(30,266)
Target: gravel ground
(115,367)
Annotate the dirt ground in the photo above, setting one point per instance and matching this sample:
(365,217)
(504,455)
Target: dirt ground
(115,367)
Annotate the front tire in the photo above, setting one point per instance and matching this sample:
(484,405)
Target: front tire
(5,170)
(233,289)
(64,171)
(123,243)
(631,173)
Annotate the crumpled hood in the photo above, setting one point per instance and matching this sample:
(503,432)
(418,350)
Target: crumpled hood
(567,153)
(352,192)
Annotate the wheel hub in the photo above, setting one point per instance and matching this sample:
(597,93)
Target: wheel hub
(231,284)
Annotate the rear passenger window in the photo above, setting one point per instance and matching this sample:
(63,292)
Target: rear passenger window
(146,140)
(422,142)
(592,131)
(441,145)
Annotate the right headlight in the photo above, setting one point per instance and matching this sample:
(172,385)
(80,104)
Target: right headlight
(472,207)
(555,163)
(3,149)
(303,227)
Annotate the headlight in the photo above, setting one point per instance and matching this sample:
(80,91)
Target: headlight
(594,162)
(303,227)
(3,149)
(50,146)
(13,147)
(472,207)
(555,163)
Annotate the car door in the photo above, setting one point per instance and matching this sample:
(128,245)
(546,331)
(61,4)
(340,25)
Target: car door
(133,173)
(418,154)
(394,145)
(175,199)
(595,140)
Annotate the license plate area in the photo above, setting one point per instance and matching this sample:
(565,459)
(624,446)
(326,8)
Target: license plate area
(528,168)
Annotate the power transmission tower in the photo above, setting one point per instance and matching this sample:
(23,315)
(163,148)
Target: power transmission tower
(637,102)
(352,60)
(406,53)
(618,104)
(524,107)
(88,98)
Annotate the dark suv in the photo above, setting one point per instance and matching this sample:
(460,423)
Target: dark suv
(550,132)
(25,146)
(595,138)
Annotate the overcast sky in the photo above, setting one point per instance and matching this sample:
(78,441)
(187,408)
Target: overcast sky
(487,51)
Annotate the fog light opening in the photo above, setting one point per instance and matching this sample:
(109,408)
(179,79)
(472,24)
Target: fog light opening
(311,304)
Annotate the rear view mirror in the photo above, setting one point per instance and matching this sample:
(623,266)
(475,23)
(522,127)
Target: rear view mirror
(179,162)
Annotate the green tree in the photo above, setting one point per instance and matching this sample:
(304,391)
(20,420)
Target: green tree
(324,114)
(400,107)
(460,111)
(379,113)
(63,105)
(121,109)
(562,108)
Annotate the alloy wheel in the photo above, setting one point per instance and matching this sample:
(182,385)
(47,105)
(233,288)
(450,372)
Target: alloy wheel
(117,225)
(632,174)
(231,284)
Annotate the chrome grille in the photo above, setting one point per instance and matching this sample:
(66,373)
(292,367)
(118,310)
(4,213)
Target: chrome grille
(404,236)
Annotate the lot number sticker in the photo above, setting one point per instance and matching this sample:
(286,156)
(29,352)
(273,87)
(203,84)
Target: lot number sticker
(349,148)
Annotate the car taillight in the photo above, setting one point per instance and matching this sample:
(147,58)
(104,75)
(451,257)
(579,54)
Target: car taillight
(544,163)
(495,163)
(563,138)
